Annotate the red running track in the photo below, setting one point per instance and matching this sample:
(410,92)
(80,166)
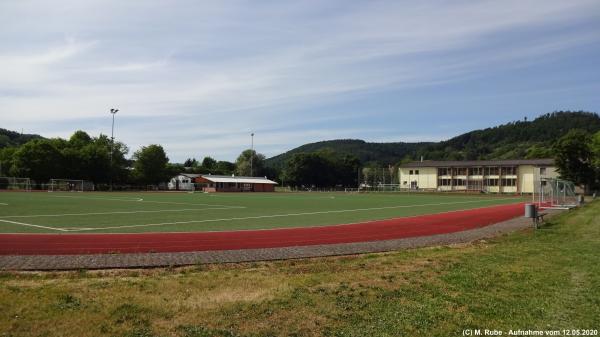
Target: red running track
(423,225)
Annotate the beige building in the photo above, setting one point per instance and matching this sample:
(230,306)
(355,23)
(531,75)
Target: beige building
(496,176)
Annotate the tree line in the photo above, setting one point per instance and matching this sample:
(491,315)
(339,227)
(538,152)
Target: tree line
(99,160)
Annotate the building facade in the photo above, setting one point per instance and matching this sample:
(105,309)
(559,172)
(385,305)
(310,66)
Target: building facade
(183,182)
(494,176)
(218,183)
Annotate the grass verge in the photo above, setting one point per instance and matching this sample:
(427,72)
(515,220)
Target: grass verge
(547,279)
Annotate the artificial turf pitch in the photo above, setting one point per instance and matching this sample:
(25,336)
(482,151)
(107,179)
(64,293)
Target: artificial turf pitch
(103,212)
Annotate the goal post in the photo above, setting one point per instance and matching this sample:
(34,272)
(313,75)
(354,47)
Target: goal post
(554,193)
(378,179)
(15,184)
(70,185)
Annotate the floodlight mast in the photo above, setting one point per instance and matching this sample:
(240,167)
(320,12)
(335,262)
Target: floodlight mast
(251,153)
(112,145)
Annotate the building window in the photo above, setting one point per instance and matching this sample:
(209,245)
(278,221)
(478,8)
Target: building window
(509,171)
(444,182)
(542,171)
(459,182)
(410,172)
(476,171)
(491,171)
(442,171)
(509,182)
(417,172)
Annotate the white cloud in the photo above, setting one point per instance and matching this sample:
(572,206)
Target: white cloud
(226,68)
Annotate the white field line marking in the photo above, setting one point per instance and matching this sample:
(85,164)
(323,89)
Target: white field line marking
(292,214)
(142,200)
(3,204)
(116,212)
(37,226)
(278,197)
(99,198)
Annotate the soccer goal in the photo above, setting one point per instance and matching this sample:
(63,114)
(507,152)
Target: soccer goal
(70,185)
(554,193)
(15,184)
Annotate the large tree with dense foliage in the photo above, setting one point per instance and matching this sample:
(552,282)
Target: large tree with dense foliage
(250,163)
(150,166)
(321,169)
(573,157)
(209,164)
(223,167)
(38,159)
(595,148)
(6,159)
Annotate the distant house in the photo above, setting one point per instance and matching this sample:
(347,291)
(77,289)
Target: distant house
(220,183)
(183,182)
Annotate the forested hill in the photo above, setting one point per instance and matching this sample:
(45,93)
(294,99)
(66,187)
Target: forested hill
(11,138)
(519,139)
(364,151)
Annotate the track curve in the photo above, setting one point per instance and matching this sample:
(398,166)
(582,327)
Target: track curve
(424,225)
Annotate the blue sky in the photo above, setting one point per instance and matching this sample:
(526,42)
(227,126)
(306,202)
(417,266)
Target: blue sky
(198,77)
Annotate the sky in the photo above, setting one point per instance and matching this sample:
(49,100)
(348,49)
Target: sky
(199,77)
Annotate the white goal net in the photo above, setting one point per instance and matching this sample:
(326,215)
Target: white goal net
(15,184)
(69,185)
(554,193)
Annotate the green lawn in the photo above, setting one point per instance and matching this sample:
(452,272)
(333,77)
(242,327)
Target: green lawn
(547,279)
(160,212)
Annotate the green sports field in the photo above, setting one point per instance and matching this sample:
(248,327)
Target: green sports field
(103,212)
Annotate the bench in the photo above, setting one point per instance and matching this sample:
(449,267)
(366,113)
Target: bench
(539,218)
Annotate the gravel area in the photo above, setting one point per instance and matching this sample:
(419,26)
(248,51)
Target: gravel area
(105,261)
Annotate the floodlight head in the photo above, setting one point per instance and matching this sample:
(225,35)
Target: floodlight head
(113,111)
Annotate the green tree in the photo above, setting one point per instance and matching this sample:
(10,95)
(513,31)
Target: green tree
(573,157)
(307,170)
(120,164)
(243,167)
(38,159)
(595,148)
(79,139)
(209,164)
(224,167)
(539,151)
(324,168)
(6,159)
(190,162)
(150,166)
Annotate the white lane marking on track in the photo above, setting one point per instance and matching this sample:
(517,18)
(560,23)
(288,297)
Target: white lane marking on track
(30,225)
(145,201)
(291,214)
(116,212)
(3,204)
